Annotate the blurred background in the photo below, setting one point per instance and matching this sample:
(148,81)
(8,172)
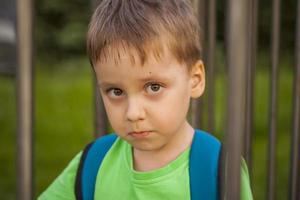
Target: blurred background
(63,91)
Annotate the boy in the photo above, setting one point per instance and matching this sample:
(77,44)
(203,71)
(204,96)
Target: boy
(145,54)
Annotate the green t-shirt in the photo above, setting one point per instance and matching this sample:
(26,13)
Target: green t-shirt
(117,180)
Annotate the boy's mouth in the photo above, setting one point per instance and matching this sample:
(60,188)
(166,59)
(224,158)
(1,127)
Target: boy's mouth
(140,134)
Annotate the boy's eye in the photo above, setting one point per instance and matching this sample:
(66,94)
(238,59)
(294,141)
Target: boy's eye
(153,88)
(115,92)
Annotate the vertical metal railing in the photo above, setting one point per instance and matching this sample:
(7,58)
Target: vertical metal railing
(25,100)
(294,186)
(196,110)
(100,117)
(211,43)
(273,101)
(251,64)
(236,55)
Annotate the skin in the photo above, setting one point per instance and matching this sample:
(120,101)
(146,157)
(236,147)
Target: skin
(147,105)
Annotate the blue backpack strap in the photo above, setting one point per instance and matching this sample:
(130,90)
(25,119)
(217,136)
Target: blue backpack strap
(90,162)
(203,167)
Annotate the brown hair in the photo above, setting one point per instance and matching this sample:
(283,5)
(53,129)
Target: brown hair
(144,26)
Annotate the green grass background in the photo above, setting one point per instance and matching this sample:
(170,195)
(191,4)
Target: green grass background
(64,122)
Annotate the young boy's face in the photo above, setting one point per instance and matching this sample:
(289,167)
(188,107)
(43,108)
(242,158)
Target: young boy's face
(147,105)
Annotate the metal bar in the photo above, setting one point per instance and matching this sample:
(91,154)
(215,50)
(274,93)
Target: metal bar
(236,38)
(25,100)
(211,38)
(196,113)
(273,101)
(196,110)
(294,182)
(100,117)
(251,63)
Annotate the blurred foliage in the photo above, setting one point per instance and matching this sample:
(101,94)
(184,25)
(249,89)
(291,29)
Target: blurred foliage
(288,23)
(61,25)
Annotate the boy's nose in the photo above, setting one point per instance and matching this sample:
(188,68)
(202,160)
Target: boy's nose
(135,110)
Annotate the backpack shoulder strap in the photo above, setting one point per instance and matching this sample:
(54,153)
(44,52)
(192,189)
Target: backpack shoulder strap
(203,167)
(90,162)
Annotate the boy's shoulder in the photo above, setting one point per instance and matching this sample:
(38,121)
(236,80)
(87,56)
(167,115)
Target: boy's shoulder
(203,142)
(204,165)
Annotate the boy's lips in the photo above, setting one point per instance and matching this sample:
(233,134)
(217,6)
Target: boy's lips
(140,134)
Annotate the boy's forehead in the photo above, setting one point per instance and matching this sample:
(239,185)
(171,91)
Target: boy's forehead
(128,65)
(154,49)
(116,56)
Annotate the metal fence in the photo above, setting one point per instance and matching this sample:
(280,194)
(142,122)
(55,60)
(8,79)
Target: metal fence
(241,39)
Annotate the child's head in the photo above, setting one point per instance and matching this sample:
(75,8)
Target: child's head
(144,26)
(146,57)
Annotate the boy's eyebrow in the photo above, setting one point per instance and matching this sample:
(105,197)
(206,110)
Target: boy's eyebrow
(153,77)
(141,80)
(106,84)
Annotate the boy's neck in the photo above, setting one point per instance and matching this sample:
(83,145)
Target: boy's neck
(150,160)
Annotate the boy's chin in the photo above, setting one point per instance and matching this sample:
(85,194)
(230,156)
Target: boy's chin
(146,147)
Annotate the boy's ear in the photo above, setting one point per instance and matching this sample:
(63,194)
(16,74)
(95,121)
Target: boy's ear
(197,77)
